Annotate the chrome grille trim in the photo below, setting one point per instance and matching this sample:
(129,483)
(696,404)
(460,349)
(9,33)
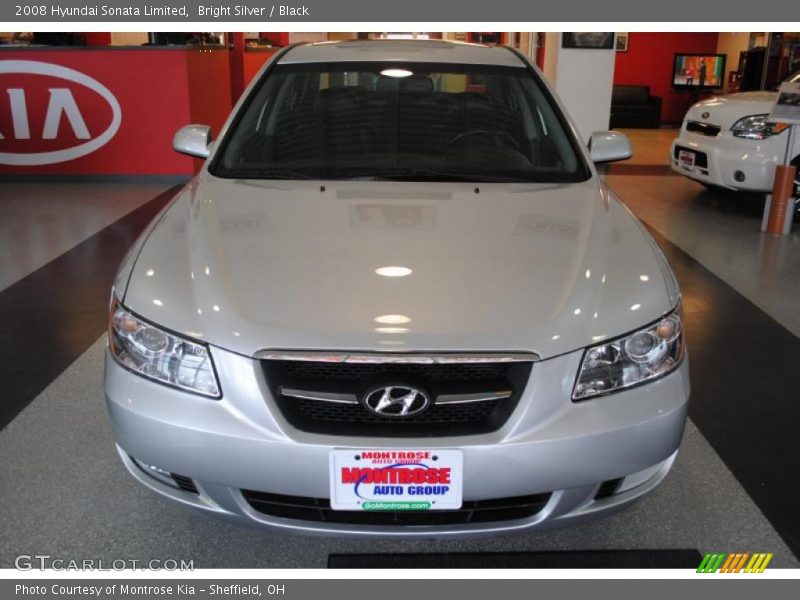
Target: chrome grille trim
(395,358)
(320,396)
(478,397)
(353,399)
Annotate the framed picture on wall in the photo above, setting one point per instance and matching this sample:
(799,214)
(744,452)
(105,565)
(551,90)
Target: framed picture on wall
(596,41)
(622,42)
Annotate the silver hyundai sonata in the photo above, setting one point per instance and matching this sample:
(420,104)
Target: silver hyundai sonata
(398,301)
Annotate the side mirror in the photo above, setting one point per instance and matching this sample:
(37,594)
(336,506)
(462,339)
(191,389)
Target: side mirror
(193,140)
(609,146)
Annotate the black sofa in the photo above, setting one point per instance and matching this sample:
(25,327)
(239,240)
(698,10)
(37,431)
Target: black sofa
(632,106)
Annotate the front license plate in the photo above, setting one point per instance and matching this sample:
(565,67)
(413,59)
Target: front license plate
(686,159)
(396,480)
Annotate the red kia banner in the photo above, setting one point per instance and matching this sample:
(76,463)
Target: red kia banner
(106,112)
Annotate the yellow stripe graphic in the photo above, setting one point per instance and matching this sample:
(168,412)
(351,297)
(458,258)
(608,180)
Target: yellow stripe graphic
(751,563)
(759,559)
(766,562)
(759,562)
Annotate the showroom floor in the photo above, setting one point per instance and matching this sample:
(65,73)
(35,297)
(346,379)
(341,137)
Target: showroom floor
(66,494)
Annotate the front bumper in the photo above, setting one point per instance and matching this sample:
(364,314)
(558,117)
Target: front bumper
(726,156)
(549,445)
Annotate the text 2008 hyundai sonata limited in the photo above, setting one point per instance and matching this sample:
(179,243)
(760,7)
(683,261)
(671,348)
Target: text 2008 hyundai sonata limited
(398,300)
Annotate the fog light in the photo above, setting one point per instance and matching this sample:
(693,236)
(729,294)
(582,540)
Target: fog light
(739,176)
(171,479)
(607,488)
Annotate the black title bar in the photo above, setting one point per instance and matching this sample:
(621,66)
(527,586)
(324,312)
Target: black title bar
(441,11)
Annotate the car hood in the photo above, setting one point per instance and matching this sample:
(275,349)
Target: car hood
(254,265)
(726,110)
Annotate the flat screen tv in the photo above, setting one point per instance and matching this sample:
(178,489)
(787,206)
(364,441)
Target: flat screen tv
(698,71)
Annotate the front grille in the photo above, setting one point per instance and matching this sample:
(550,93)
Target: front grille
(305,370)
(319,509)
(356,379)
(706,129)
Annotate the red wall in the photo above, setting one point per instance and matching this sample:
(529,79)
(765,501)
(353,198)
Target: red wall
(98,38)
(254,60)
(275,38)
(649,60)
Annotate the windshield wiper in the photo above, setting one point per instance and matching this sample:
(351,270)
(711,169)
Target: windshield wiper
(266,174)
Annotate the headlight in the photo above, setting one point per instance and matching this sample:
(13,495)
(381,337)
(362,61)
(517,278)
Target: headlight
(756,127)
(641,356)
(157,354)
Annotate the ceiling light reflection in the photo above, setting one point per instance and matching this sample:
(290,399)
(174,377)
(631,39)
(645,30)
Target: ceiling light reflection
(392,329)
(394,271)
(399,73)
(393,319)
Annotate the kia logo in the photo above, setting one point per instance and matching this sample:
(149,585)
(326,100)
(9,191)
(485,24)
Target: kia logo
(396,401)
(61,106)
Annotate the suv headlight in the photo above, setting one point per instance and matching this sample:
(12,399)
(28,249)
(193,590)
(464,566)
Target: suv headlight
(647,354)
(160,355)
(756,127)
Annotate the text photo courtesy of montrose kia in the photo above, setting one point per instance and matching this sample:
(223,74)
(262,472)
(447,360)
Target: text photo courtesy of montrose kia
(381,289)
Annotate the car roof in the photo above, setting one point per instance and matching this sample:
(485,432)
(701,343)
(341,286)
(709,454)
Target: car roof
(434,51)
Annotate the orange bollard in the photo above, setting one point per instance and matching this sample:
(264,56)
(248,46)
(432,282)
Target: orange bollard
(781,198)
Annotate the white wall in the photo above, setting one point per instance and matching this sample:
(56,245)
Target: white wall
(732,44)
(583,79)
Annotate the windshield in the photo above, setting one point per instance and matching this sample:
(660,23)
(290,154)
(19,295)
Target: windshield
(409,121)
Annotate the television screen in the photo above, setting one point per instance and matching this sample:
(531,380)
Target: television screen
(698,71)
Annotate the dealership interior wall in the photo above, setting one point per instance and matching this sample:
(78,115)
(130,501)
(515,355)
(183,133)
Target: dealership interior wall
(66,225)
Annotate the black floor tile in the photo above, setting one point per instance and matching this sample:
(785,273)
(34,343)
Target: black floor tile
(49,318)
